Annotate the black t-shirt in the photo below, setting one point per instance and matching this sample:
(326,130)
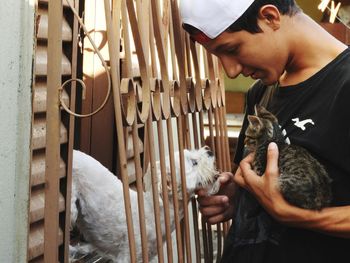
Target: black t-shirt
(315,115)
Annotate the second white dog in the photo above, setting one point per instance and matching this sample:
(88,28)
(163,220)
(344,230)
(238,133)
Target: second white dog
(97,205)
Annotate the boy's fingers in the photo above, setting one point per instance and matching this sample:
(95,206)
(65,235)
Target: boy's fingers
(246,171)
(272,160)
(212,200)
(238,178)
(213,210)
(225,177)
(201,192)
(248,159)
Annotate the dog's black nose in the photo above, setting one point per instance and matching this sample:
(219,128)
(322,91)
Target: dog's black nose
(210,153)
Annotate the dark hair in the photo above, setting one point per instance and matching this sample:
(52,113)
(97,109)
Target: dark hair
(249,22)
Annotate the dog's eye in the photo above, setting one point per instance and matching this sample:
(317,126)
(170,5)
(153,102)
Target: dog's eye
(194,162)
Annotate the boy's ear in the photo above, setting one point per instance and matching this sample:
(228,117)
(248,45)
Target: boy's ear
(271,16)
(254,121)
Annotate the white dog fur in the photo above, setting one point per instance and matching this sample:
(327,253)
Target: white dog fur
(97,205)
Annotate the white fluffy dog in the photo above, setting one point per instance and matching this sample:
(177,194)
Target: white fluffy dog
(97,205)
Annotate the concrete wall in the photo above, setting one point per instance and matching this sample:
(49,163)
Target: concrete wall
(16,53)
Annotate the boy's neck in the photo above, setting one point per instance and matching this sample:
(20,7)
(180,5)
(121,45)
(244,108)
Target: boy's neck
(311,49)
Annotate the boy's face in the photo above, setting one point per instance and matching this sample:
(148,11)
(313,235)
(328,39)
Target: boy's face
(259,56)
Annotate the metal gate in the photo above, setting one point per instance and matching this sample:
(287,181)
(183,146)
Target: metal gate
(163,84)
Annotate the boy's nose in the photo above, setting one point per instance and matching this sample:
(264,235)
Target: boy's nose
(231,66)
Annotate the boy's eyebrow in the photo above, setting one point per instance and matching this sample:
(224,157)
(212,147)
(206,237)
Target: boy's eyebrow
(219,48)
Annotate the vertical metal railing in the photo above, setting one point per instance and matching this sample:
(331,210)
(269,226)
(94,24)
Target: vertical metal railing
(54,58)
(173,97)
(177,99)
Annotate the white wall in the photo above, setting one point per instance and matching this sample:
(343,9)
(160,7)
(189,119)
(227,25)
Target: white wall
(16,53)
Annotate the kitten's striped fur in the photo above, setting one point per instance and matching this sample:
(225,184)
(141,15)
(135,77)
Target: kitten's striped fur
(303,180)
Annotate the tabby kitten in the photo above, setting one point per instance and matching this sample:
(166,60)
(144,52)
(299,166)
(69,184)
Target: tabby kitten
(303,181)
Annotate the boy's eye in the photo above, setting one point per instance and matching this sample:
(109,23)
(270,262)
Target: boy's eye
(232,51)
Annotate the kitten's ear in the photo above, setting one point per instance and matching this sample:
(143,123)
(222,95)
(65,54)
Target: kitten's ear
(254,121)
(258,109)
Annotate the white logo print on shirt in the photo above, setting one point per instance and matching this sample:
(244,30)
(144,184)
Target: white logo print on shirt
(301,124)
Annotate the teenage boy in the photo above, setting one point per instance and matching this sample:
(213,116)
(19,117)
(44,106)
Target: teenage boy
(277,44)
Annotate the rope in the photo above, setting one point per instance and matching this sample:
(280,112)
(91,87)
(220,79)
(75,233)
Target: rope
(65,107)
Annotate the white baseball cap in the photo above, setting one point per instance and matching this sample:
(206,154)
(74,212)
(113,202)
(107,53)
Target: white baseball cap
(212,17)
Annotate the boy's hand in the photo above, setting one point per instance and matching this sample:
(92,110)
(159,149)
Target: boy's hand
(218,208)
